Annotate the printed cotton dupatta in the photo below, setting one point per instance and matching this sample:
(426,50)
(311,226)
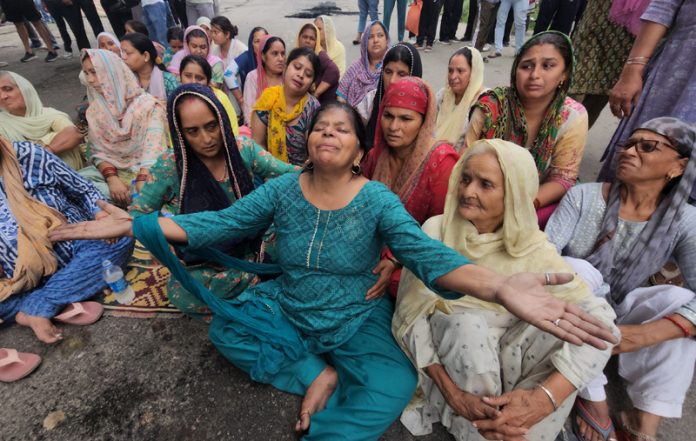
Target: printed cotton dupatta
(504,113)
(35,256)
(272,100)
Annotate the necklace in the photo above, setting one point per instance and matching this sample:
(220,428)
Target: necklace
(224,176)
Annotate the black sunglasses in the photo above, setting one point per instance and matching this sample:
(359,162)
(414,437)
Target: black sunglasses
(645,145)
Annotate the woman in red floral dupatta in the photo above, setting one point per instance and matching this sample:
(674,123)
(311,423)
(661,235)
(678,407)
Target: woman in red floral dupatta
(536,113)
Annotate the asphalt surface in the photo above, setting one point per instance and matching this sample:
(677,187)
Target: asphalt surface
(157,379)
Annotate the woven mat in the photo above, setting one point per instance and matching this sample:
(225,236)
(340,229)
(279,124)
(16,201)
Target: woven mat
(149,281)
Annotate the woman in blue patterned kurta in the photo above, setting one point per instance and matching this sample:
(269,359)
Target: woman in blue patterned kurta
(51,182)
(313,331)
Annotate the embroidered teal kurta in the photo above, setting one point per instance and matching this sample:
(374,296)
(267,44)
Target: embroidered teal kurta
(326,257)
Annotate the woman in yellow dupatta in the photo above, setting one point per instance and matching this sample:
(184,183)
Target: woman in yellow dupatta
(281,116)
(467,349)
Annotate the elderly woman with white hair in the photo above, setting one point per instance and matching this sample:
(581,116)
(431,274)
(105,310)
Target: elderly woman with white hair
(482,371)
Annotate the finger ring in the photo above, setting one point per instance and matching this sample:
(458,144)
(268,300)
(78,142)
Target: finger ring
(548,278)
(557,322)
(304,412)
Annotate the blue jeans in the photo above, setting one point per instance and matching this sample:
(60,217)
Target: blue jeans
(365,7)
(520,10)
(401,15)
(155,18)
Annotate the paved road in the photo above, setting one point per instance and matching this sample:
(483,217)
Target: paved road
(133,379)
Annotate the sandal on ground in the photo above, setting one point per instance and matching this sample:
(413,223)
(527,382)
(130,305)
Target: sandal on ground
(626,433)
(81,313)
(604,430)
(16,365)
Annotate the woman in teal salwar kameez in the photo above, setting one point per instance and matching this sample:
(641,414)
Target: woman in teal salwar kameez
(311,331)
(190,170)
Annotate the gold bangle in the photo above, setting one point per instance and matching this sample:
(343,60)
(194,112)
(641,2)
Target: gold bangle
(644,63)
(638,58)
(550,395)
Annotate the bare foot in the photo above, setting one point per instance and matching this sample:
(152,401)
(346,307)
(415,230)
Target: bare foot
(42,327)
(600,412)
(316,397)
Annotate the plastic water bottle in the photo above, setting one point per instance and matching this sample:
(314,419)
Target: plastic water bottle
(113,276)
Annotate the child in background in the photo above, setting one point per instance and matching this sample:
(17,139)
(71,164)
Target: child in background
(175,38)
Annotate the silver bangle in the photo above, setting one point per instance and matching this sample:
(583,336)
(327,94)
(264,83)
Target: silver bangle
(550,395)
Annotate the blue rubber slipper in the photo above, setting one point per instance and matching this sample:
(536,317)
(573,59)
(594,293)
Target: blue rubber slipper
(604,430)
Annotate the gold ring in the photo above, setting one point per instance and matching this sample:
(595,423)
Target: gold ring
(304,412)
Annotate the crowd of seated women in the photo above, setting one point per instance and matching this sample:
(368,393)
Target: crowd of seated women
(352,236)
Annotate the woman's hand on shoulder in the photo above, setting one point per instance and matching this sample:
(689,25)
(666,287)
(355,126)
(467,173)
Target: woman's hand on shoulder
(523,294)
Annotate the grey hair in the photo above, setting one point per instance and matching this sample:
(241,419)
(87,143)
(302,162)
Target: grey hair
(478,149)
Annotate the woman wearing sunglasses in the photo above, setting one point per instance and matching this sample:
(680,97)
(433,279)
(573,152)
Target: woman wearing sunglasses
(618,234)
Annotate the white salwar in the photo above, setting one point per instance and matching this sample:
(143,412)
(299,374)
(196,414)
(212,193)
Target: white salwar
(658,377)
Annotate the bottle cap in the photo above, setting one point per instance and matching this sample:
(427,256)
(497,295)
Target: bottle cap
(106,263)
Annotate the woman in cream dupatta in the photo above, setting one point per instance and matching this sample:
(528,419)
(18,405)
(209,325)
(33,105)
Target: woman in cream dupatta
(23,117)
(455,100)
(467,349)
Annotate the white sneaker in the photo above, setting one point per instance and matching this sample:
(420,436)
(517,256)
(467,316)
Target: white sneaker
(68,55)
(3,63)
(486,47)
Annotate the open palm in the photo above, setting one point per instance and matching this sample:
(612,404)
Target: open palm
(116,223)
(524,295)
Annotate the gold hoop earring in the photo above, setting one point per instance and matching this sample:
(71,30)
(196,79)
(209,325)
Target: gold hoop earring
(308,165)
(356,169)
